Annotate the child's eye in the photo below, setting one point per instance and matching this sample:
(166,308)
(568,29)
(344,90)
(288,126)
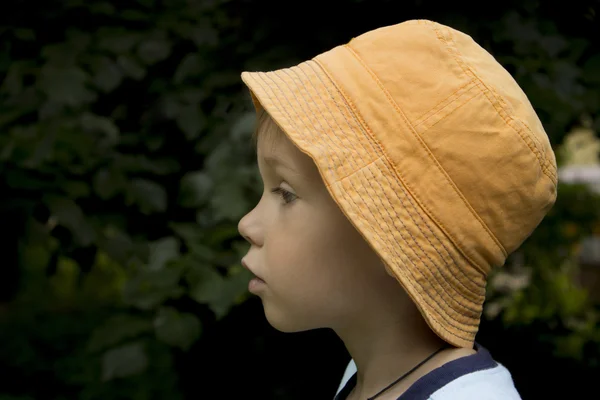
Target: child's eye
(287,196)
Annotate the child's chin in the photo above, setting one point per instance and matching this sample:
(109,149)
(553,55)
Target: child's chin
(285,322)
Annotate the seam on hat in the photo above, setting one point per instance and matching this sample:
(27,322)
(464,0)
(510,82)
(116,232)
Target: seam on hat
(439,294)
(533,146)
(436,163)
(364,130)
(447,101)
(504,115)
(456,105)
(510,110)
(547,162)
(446,294)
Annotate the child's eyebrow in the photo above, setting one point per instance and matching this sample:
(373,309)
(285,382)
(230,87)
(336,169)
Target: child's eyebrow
(274,161)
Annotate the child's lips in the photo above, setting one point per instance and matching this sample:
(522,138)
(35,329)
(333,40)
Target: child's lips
(255,285)
(249,268)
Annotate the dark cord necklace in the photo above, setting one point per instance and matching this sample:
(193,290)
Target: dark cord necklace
(409,372)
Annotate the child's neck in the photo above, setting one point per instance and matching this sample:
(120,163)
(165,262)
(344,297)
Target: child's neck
(384,349)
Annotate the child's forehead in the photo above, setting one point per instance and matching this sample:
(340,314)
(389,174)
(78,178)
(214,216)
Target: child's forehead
(277,151)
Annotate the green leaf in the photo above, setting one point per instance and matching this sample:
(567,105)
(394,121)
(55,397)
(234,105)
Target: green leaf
(243,127)
(191,121)
(149,289)
(65,85)
(102,8)
(135,164)
(553,44)
(207,286)
(108,182)
(591,70)
(154,50)
(191,65)
(195,189)
(107,74)
(60,54)
(70,215)
(176,329)
(25,34)
(76,189)
(131,67)
(43,150)
(162,251)
(95,123)
(118,246)
(204,34)
(229,201)
(190,232)
(117,40)
(150,196)
(117,329)
(124,361)
(8,116)
(134,15)
(21,179)
(206,283)
(13,81)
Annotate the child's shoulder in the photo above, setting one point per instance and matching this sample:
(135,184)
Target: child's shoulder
(489,384)
(475,377)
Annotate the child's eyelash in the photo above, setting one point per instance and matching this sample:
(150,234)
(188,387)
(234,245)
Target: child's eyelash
(287,196)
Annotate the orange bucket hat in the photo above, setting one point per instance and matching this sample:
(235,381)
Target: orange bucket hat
(431,150)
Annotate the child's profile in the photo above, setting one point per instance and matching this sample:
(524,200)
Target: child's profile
(398,170)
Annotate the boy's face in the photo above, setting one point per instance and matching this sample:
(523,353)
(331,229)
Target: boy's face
(318,270)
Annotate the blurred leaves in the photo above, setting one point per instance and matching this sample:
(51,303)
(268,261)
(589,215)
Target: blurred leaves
(553,294)
(123,361)
(176,329)
(117,329)
(148,195)
(195,189)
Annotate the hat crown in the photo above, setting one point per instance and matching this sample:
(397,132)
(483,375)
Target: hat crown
(474,118)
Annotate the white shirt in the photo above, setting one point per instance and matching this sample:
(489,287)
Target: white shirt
(475,377)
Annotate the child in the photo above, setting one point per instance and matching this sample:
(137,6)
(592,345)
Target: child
(399,169)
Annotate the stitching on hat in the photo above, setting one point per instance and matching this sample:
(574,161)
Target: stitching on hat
(451,48)
(443,104)
(531,135)
(442,118)
(351,111)
(509,110)
(323,118)
(501,112)
(507,106)
(416,242)
(522,126)
(412,281)
(383,241)
(517,126)
(436,163)
(309,113)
